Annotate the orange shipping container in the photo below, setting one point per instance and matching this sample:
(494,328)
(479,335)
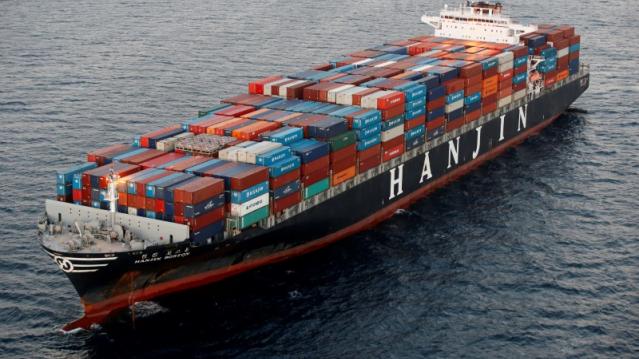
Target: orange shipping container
(487,91)
(562,75)
(218,128)
(491,82)
(252,131)
(343,175)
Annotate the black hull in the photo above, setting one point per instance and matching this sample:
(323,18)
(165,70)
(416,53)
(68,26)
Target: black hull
(124,278)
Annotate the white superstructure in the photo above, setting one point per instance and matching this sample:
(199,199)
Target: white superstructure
(477,21)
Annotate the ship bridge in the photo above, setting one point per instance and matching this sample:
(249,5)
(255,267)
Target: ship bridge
(479,21)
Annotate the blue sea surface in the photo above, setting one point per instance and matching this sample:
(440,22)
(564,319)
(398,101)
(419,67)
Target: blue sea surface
(535,254)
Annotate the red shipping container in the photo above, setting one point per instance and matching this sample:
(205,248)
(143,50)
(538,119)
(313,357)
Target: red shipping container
(315,165)
(365,164)
(455,85)
(76,194)
(206,219)
(519,51)
(122,199)
(297,91)
(473,81)
(249,178)
(140,185)
(99,156)
(419,120)
(284,179)
(347,152)
(574,55)
(393,142)
(520,86)
(286,202)
(505,84)
(550,78)
(472,89)
(393,99)
(434,104)
(520,69)
(507,91)
(488,107)
(237,110)
(257,87)
(472,116)
(198,190)
(182,165)
(160,160)
(575,40)
(320,174)
(370,152)
(159,206)
(392,112)
(149,204)
(143,157)
(454,124)
(343,164)
(178,210)
(366,53)
(470,71)
(506,75)
(435,123)
(489,99)
(490,72)
(390,153)
(144,139)
(561,44)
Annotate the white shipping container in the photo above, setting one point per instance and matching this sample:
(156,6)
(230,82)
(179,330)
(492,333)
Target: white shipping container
(505,67)
(269,86)
(454,106)
(505,57)
(384,64)
(362,62)
(370,101)
(242,156)
(393,133)
(132,211)
(241,209)
(283,88)
(346,97)
(504,101)
(519,95)
(332,94)
(168,144)
(563,52)
(259,148)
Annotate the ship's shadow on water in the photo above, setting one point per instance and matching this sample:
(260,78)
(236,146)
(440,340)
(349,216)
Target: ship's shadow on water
(252,309)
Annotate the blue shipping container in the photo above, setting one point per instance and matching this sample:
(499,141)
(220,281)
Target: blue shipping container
(249,193)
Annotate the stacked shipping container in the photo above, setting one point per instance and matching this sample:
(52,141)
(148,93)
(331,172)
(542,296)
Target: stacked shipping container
(293,137)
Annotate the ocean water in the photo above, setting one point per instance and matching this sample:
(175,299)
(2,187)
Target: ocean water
(535,254)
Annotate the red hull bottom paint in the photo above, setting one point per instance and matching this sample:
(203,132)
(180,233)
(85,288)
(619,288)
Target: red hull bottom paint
(96,313)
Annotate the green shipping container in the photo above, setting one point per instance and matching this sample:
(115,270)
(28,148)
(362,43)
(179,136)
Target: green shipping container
(316,188)
(342,140)
(254,217)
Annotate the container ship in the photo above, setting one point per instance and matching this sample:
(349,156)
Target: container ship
(303,160)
